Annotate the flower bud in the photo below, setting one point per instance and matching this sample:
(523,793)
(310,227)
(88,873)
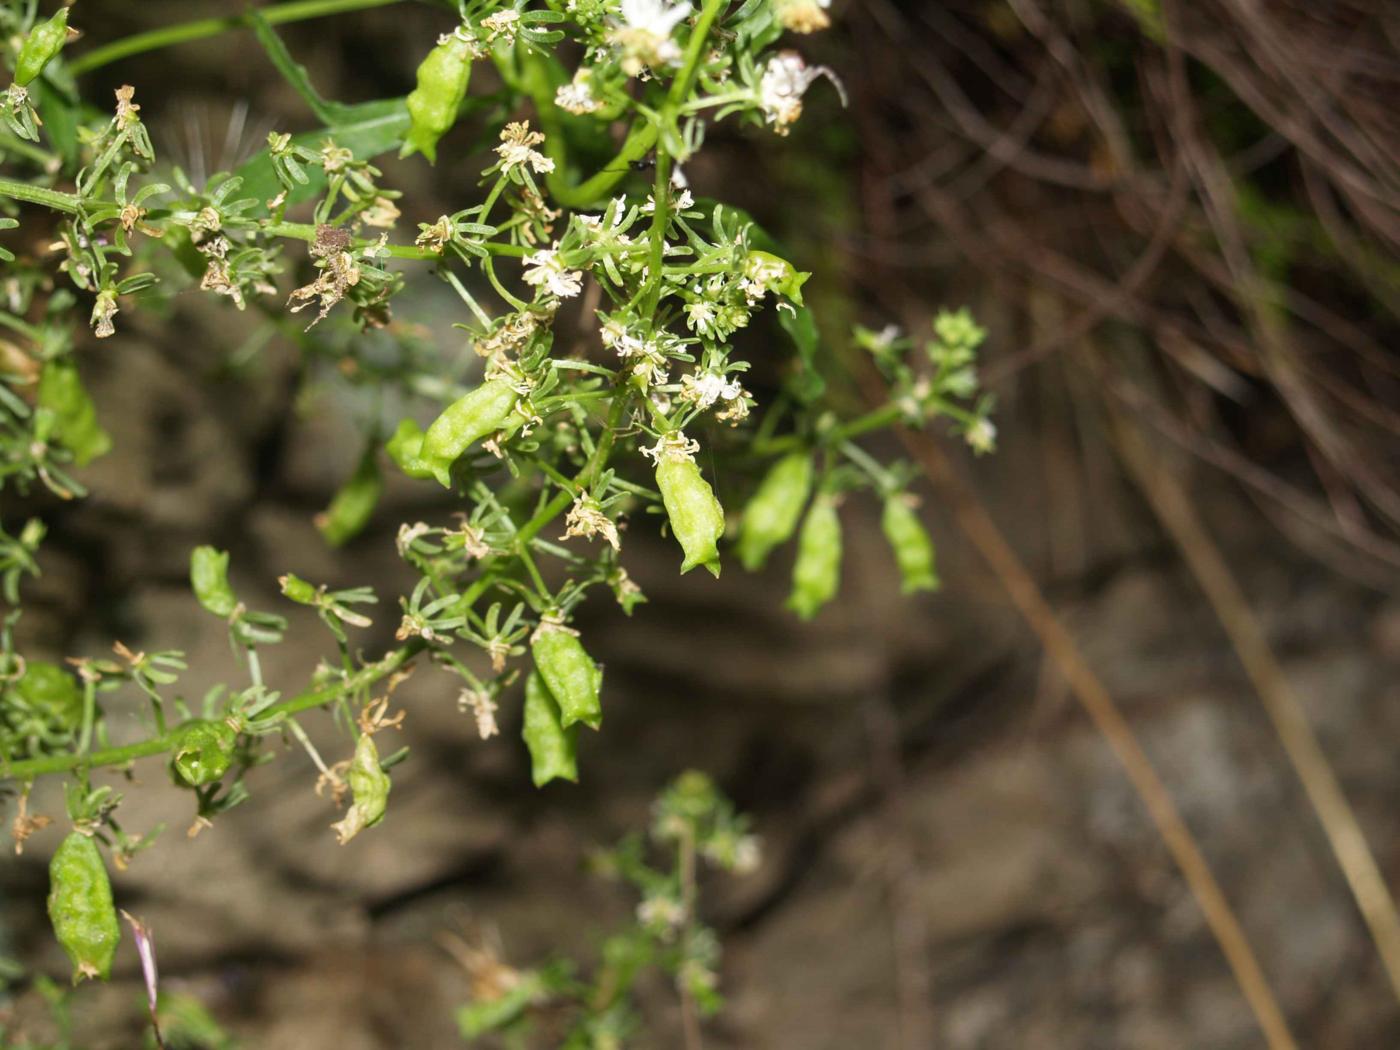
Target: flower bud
(775,509)
(551,745)
(913,549)
(80,907)
(569,672)
(816,575)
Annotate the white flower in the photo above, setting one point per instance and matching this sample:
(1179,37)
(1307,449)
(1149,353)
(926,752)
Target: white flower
(644,34)
(545,268)
(704,390)
(661,912)
(684,202)
(700,315)
(785,80)
(516,149)
(885,337)
(601,232)
(483,708)
(577,96)
(747,855)
(803,16)
(982,436)
(503,24)
(586,519)
(408,533)
(674,446)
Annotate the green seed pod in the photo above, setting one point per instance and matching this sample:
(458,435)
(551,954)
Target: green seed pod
(816,575)
(913,549)
(297,589)
(209,578)
(432,105)
(353,505)
(767,270)
(772,515)
(569,672)
(696,517)
(369,787)
(405,448)
(50,691)
(551,745)
(40,47)
(204,752)
(470,418)
(80,907)
(75,417)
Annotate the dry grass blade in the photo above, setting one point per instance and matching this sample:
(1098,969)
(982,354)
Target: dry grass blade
(1087,688)
(1178,516)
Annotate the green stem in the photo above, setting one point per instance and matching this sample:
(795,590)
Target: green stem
(877,419)
(305,231)
(660,220)
(690,64)
(119,756)
(640,139)
(183,32)
(661,195)
(586,477)
(55,199)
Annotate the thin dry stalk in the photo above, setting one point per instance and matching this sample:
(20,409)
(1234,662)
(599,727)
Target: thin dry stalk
(1060,647)
(1178,516)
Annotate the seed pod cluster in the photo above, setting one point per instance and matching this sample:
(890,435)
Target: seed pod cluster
(696,517)
(550,744)
(913,549)
(80,907)
(442,84)
(41,46)
(204,752)
(353,504)
(475,415)
(369,789)
(816,575)
(772,514)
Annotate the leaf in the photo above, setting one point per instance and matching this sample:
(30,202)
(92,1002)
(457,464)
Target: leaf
(801,325)
(375,128)
(295,74)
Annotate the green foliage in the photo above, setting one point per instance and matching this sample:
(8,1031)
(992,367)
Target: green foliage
(550,451)
(692,822)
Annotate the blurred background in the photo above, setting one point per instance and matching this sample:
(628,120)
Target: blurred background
(1179,223)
